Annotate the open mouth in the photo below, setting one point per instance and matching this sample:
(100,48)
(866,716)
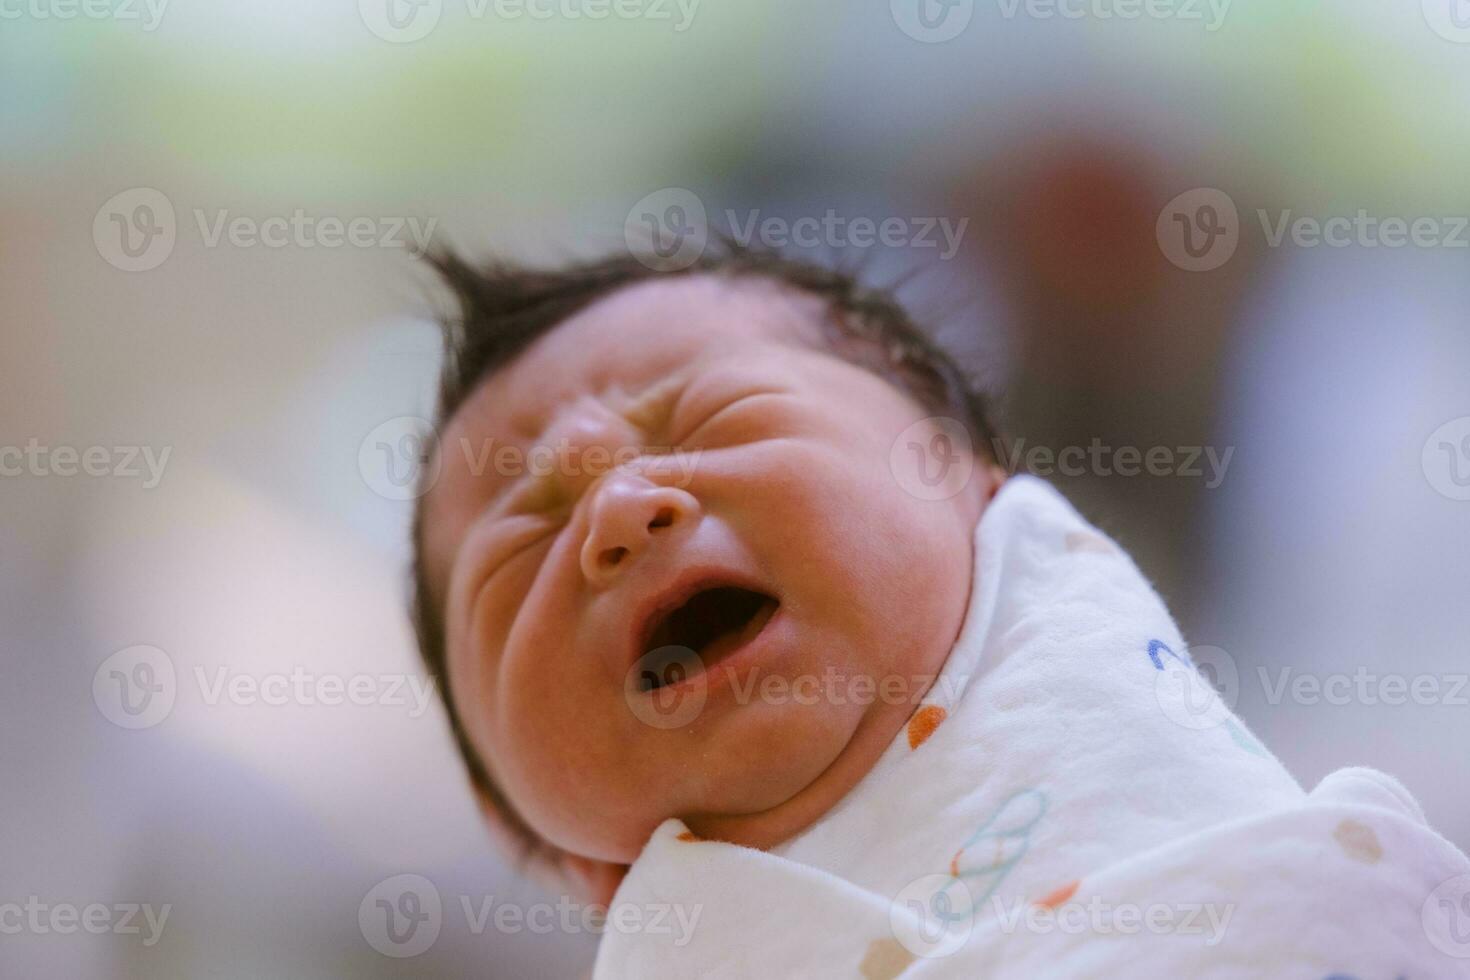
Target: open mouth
(710,625)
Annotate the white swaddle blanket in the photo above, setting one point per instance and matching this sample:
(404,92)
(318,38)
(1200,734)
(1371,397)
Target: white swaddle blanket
(1070,799)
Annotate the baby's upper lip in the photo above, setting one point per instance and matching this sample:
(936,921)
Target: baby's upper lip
(673,592)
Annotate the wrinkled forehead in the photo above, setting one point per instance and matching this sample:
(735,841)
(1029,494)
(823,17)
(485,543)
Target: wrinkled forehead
(637,337)
(630,342)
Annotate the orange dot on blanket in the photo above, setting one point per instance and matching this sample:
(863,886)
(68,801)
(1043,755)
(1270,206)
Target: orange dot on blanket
(1087,541)
(1053,899)
(884,960)
(923,723)
(689,836)
(1358,841)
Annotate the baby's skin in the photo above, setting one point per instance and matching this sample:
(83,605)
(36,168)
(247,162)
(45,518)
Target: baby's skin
(755,485)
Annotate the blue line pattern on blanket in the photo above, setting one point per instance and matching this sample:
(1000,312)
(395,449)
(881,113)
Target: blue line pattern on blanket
(1154,646)
(1008,833)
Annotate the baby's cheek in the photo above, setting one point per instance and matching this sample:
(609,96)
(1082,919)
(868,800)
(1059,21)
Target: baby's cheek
(554,758)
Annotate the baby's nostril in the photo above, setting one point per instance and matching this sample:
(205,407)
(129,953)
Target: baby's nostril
(663,518)
(614,556)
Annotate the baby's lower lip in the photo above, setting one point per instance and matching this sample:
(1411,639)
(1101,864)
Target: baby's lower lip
(728,653)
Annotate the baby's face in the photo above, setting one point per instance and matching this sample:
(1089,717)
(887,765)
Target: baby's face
(755,519)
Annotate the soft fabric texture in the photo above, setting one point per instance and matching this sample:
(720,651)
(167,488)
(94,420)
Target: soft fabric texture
(1068,799)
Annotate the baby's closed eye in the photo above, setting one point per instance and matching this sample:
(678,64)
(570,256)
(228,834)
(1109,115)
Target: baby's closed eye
(732,418)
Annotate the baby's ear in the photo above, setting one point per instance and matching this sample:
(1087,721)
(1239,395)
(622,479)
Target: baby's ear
(997,475)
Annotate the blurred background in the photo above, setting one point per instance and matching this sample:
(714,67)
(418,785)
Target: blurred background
(215,337)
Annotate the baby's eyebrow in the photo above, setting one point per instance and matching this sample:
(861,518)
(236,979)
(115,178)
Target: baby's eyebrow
(649,411)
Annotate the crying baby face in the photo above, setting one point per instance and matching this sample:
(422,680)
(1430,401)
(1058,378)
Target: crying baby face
(719,502)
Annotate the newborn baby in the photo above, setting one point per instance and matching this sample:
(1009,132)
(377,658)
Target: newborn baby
(767,635)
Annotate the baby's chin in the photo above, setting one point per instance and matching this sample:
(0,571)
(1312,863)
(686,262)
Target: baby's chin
(781,781)
(760,768)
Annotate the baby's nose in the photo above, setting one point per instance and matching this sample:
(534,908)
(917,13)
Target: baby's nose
(625,513)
